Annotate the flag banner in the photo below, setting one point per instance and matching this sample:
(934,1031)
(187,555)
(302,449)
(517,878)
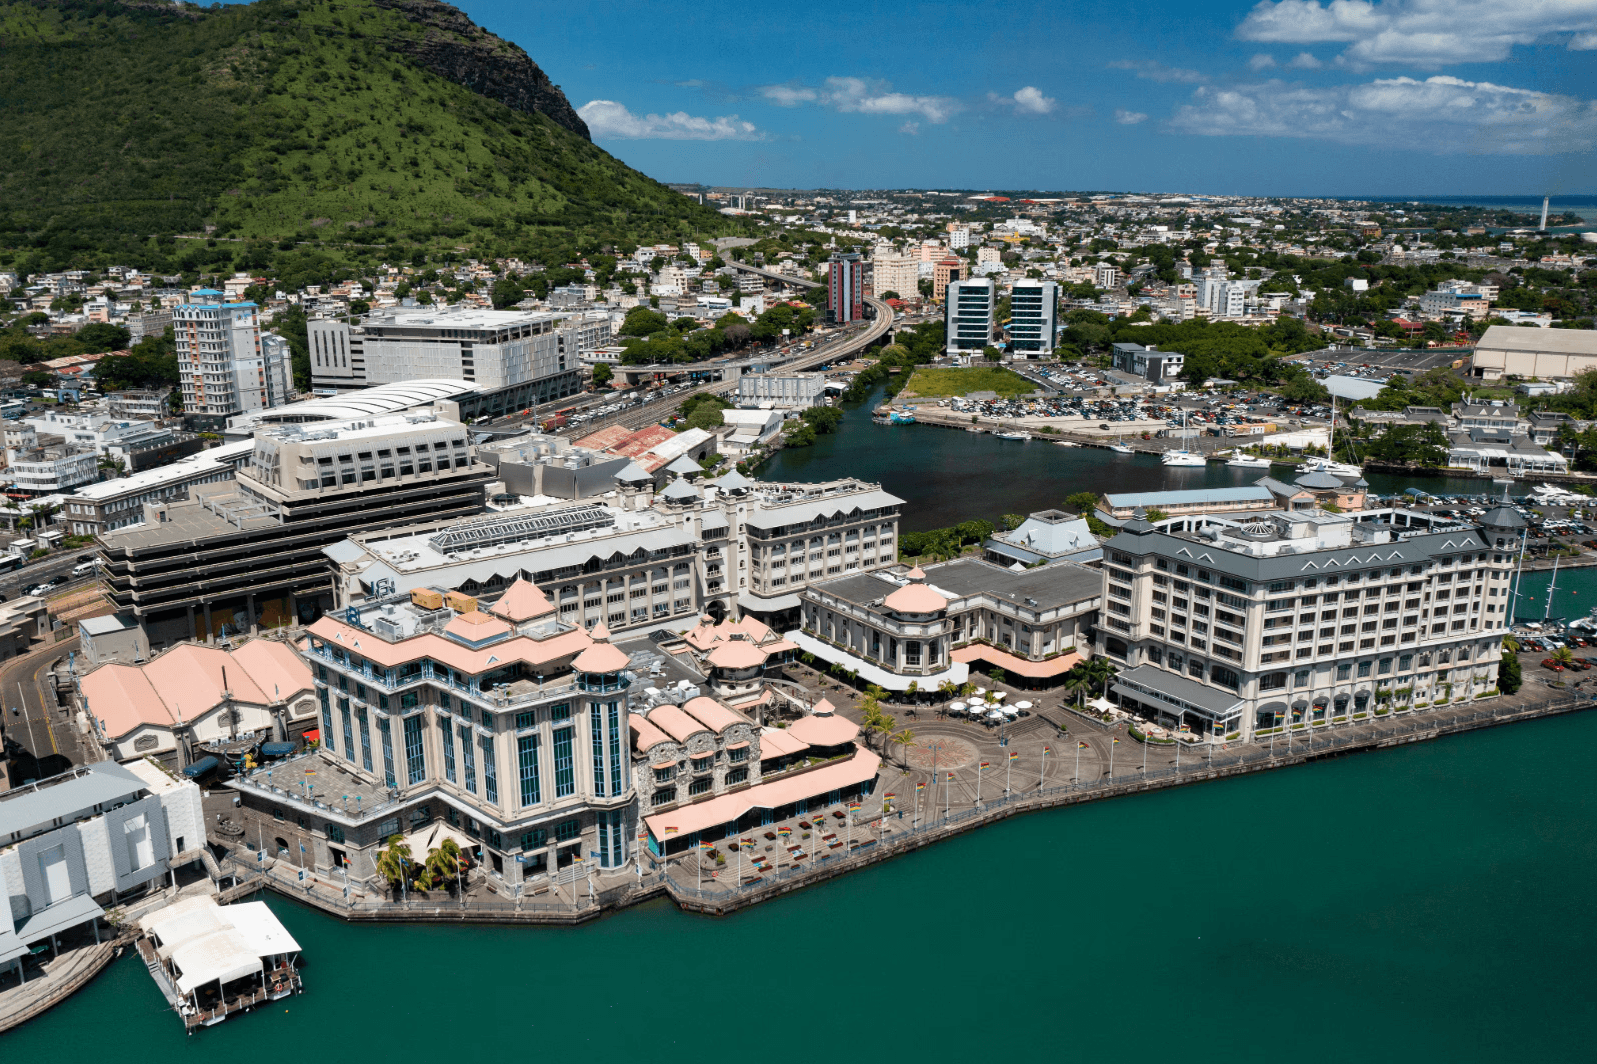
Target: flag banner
(950,777)
(1046,749)
(920,786)
(705,846)
(1081,746)
(1014,756)
(984,766)
(889,796)
(670,831)
(1115,741)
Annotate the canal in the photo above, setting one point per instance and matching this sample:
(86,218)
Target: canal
(946,476)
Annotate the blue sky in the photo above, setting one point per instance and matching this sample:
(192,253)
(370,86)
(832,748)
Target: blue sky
(1286,97)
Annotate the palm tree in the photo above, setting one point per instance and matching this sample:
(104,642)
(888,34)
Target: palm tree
(1078,682)
(1563,656)
(1511,644)
(903,737)
(1102,670)
(884,725)
(394,861)
(443,861)
(912,690)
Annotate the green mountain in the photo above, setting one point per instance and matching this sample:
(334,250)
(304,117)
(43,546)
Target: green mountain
(287,134)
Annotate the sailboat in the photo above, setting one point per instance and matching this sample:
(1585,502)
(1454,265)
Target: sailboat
(1325,465)
(1243,460)
(1183,457)
(1120,448)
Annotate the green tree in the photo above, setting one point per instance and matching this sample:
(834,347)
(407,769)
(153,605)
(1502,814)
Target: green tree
(705,416)
(602,374)
(394,861)
(1509,678)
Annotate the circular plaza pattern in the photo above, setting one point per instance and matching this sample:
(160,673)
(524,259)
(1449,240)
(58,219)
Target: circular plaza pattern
(940,752)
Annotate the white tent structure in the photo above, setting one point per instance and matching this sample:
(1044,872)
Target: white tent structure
(201,944)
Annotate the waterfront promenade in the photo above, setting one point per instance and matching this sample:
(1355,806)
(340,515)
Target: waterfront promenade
(696,882)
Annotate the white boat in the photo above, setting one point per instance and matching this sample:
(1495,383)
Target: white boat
(1012,435)
(979,432)
(1325,465)
(1183,458)
(1248,461)
(1120,448)
(1067,443)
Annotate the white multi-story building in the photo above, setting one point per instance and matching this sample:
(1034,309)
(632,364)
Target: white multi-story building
(1033,317)
(958,236)
(537,353)
(222,368)
(895,273)
(968,313)
(1233,626)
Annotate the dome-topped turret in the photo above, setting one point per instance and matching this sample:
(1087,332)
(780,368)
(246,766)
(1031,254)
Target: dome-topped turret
(915,596)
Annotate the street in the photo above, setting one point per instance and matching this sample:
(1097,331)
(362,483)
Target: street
(46,741)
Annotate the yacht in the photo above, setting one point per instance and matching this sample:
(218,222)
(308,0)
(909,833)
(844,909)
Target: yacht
(901,417)
(1325,465)
(1012,435)
(1183,457)
(1120,448)
(1247,461)
(1067,443)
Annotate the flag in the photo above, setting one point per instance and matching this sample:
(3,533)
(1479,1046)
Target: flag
(1081,746)
(705,845)
(577,857)
(784,832)
(984,766)
(950,777)
(889,796)
(1014,756)
(1116,742)
(919,787)
(1046,749)
(670,831)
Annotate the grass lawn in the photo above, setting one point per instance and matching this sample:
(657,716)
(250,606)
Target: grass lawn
(928,383)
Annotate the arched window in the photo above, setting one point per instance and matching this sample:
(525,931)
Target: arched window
(1115,647)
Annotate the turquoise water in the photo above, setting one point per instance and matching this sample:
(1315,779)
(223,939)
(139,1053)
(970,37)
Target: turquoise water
(1429,903)
(947,476)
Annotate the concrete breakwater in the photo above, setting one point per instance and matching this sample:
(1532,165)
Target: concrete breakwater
(681,882)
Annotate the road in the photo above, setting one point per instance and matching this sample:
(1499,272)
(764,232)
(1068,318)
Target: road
(838,346)
(42,729)
(15,582)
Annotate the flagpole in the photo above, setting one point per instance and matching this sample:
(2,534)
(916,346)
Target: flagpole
(1147,741)
(1009,772)
(1043,771)
(1113,742)
(1077,777)
(980,771)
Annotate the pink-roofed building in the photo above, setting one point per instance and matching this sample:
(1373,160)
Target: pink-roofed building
(193,697)
(494,722)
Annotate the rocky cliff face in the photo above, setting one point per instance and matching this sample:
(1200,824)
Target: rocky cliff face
(456,48)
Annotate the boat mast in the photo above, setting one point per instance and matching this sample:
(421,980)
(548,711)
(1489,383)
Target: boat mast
(1330,441)
(1550,587)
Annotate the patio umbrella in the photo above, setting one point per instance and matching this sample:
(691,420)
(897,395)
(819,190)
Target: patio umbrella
(998,696)
(1009,711)
(995,716)
(956,707)
(1022,705)
(981,690)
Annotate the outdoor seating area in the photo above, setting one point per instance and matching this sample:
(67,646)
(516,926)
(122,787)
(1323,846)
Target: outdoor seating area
(990,708)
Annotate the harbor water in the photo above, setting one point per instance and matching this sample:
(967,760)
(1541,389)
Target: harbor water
(947,476)
(1426,903)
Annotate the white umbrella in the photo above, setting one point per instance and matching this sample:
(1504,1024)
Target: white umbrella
(995,716)
(1022,705)
(981,690)
(1009,711)
(956,707)
(998,696)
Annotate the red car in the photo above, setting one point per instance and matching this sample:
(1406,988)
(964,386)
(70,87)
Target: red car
(1549,663)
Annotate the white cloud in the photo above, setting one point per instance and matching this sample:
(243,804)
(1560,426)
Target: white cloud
(1305,61)
(911,128)
(863,96)
(1154,70)
(1441,115)
(606,118)
(1031,101)
(1262,61)
(1129,118)
(788,95)
(1584,42)
(1429,33)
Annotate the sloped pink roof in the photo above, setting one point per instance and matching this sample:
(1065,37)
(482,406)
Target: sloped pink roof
(736,654)
(711,714)
(915,597)
(830,730)
(186,682)
(430,645)
(777,742)
(1020,666)
(644,734)
(704,636)
(522,601)
(274,666)
(477,626)
(728,807)
(122,697)
(675,723)
(601,656)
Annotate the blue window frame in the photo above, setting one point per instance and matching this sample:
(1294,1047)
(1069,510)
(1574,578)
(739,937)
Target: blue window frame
(365,740)
(447,734)
(565,769)
(470,759)
(490,775)
(387,737)
(349,729)
(327,719)
(618,772)
(596,728)
(527,755)
(415,757)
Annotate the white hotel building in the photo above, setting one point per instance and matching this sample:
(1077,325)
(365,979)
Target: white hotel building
(1230,626)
